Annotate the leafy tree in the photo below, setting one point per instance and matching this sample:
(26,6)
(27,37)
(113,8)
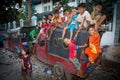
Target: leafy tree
(65,5)
(8,10)
(29,9)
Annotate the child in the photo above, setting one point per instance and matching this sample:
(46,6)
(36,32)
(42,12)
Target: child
(57,19)
(97,16)
(34,33)
(26,66)
(72,53)
(83,14)
(71,23)
(60,6)
(55,22)
(66,17)
(43,30)
(93,50)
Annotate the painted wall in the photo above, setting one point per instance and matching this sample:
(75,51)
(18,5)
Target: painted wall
(40,8)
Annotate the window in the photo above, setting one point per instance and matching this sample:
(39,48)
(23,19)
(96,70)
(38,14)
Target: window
(46,1)
(117,27)
(49,8)
(45,8)
(71,1)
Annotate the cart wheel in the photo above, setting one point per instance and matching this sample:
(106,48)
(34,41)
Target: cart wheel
(58,70)
(60,73)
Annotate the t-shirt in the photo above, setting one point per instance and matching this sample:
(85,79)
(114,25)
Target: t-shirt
(72,48)
(27,61)
(44,27)
(74,19)
(34,33)
(57,19)
(61,11)
(88,18)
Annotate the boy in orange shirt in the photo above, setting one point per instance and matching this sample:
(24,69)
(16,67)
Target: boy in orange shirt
(93,50)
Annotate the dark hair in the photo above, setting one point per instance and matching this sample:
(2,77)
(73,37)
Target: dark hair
(99,4)
(26,50)
(83,5)
(61,3)
(36,25)
(91,26)
(56,11)
(74,8)
(65,10)
(44,19)
(50,14)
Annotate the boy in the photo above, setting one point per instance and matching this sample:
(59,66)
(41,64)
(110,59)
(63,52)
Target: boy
(34,33)
(71,23)
(93,50)
(83,14)
(97,16)
(72,53)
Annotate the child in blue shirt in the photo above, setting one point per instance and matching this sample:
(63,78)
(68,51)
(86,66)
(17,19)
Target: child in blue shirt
(71,23)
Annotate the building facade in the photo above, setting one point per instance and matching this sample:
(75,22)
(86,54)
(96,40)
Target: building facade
(48,5)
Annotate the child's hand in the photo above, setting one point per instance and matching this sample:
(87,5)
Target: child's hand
(24,67)
(77,19)
(91,60)
(84,18)
(29,66)
(85,45)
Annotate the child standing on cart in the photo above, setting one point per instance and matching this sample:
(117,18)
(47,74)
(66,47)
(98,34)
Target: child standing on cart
(73,53)
(93,50)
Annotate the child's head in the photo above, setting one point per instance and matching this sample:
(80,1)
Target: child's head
(91,29)
(36,27)
(56,13)
(60,4)
(24,51)
(81,8)
(44,20)
(67,41)
(50,16)
(98,7)
(74,11)
(66,12)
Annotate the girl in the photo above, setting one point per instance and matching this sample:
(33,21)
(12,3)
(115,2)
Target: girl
(43,30)
(26,66)
(60,6)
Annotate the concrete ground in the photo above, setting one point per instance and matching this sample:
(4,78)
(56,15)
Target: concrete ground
(10,69)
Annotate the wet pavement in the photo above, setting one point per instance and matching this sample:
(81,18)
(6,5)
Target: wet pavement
(10,69)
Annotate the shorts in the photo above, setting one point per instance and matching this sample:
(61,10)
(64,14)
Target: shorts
(71,27)
(76,63)
(78,24)
(41,30)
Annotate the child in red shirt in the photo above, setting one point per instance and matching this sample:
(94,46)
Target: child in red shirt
(72,53)
(93,50)
(43,31)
